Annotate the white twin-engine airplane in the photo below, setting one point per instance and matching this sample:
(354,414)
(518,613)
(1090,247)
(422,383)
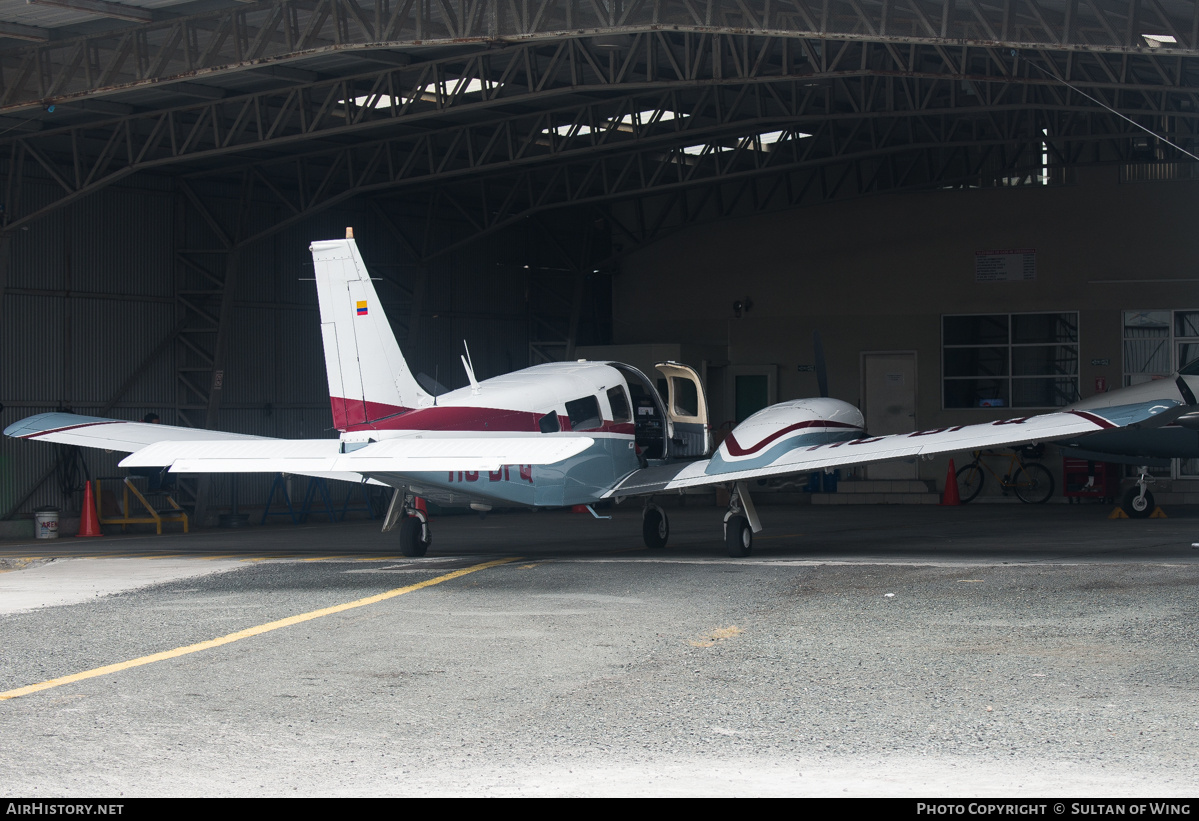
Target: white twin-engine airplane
(569,433)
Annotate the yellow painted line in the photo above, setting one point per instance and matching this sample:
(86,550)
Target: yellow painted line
(248,632)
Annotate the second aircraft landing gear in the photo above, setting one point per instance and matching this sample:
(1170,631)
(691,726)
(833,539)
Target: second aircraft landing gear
(1138,501)
(655,527)
(741,522)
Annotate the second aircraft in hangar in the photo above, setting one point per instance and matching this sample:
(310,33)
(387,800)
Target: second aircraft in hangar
(569,433)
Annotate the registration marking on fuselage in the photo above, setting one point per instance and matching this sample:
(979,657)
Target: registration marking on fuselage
(248,632)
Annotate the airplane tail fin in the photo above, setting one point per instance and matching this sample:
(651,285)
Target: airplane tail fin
(368,377)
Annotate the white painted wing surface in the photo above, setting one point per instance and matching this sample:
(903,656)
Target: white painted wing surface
(402,455)
(956,439)
(110,434)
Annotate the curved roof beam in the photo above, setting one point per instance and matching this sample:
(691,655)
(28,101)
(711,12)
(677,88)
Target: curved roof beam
(285,30)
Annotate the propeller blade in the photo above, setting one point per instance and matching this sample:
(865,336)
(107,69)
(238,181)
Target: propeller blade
(821,373)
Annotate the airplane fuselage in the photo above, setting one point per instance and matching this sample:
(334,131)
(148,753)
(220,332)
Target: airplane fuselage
(592,399)
(589,399)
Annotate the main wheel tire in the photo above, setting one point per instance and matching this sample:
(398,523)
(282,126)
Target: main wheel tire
(655,529)
(738,537)
(412,541)
(1034,483)
(1137,506)
(970,482)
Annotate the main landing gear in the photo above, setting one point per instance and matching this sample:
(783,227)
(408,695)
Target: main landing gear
(409,514)
(655,527)
(741,522)
(415,534)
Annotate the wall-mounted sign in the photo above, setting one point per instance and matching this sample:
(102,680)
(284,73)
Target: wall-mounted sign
(1005,266)
(1100,362)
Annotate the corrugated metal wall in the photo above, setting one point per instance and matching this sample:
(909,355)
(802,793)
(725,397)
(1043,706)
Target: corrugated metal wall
(90,294)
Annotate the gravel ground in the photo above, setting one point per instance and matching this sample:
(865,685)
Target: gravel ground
(585,671)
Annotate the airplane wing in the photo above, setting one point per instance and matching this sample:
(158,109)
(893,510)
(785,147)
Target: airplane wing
(129,437)
(722,468)
(110,434)
(194,450)
(409,454)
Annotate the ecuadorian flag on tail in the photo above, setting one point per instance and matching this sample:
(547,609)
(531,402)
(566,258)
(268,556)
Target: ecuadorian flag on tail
(362,307)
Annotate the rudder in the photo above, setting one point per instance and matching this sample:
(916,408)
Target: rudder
(368,377)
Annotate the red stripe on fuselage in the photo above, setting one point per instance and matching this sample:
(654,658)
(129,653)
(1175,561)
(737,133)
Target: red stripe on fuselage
(457,418)
(349,413)
(735,449)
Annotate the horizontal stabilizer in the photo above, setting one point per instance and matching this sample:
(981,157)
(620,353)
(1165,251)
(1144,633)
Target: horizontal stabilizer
(403,455)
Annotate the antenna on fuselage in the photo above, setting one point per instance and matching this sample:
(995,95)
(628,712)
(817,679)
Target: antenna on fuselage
(470,369)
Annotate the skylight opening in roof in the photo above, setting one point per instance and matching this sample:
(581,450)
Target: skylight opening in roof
(764,141)
(628,123)
(1159,40)
(454,86)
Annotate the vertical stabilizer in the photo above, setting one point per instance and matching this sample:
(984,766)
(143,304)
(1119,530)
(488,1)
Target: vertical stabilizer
(368,377)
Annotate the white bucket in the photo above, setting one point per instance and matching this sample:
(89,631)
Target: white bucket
(46,524)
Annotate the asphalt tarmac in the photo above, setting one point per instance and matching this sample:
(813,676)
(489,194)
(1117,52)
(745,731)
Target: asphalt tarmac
(907,651)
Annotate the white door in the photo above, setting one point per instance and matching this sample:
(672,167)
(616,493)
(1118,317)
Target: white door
(687,409)
(889,391)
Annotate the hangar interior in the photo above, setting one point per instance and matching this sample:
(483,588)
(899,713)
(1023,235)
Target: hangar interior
(980,205)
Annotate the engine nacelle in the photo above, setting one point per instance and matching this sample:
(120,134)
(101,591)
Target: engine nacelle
(772,431)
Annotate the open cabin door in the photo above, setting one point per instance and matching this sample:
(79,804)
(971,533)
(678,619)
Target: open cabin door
(686,410)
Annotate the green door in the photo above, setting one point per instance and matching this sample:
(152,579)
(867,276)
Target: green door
(753,394)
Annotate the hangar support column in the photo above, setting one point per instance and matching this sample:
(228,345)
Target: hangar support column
(208,264)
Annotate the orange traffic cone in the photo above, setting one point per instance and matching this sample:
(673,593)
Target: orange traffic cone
(950,496)
(89,522)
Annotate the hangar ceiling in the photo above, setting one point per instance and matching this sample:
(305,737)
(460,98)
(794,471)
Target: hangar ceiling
(496,109)
(609,123)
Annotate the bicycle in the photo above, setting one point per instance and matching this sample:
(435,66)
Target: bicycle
(1032,482)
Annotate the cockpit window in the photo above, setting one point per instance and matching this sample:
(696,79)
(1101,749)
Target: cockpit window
(584,413)
(620,404)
